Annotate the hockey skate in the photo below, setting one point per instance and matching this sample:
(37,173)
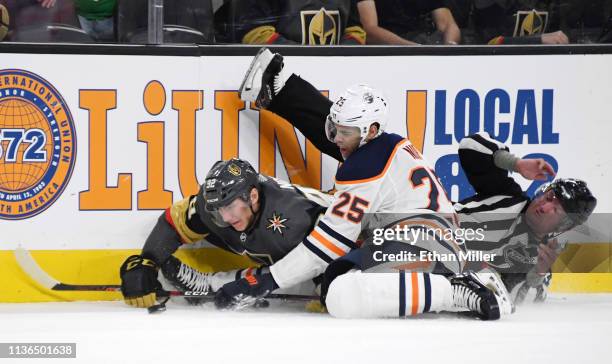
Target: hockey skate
(185,278)
(492,281)
(263,80)
(470,294)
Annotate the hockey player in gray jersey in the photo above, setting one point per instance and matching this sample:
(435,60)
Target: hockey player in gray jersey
(236,209)
(519,232)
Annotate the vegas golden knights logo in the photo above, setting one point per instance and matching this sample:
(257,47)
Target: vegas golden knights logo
(320,27)
(234,169)
(532,22)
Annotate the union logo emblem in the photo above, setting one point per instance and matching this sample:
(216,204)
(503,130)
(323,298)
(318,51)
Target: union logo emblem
(37,144)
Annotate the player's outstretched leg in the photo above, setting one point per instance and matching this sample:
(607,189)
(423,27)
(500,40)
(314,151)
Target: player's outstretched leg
(263,79)
(470,294)
(356,294)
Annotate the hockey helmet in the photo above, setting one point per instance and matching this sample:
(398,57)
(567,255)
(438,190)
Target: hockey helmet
(359,106)
(575,197)
(228,180)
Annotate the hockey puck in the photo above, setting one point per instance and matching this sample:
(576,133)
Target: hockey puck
(157,308)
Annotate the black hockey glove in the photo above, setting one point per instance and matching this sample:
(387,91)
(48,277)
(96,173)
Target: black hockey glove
(245,292)
(139,281)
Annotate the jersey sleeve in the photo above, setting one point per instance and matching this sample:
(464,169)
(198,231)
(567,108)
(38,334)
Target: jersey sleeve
(477,157)
(179,224)
(186,219)
(334,235)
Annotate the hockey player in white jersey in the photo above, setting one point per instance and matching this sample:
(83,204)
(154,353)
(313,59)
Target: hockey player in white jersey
(382,174)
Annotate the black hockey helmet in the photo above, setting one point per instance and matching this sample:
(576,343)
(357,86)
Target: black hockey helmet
(228,180)
(575,197)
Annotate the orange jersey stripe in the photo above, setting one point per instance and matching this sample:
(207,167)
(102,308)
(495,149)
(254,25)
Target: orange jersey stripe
(380,174)
(415,293)
(420,265)
(328,244)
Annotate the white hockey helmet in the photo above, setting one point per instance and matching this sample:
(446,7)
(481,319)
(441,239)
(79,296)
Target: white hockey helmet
(359,106)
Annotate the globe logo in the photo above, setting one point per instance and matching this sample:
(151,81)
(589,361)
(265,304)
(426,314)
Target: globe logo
(37,144)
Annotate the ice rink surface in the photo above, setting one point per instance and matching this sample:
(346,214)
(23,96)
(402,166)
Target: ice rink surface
(568,328)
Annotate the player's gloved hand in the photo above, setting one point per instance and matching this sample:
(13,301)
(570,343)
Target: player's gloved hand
(139,281)
(245,292)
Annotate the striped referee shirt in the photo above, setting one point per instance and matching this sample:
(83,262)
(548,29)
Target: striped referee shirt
(497,208)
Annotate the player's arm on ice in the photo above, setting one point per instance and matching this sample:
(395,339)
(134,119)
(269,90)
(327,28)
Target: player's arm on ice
(179,224)
(486,163)
(174,227)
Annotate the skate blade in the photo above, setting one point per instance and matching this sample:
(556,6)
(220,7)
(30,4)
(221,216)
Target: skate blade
(246,87)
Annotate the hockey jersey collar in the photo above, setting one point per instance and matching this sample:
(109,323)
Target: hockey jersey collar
(369,160)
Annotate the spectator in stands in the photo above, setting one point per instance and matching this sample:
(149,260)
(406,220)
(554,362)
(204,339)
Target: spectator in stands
(517,22)
(21,14)
(408,22)
(606,32)
(97,18)
(308,22)
(4,21)
(583,21)
(184,21)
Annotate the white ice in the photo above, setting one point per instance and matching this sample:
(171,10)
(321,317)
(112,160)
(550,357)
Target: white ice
(568,328)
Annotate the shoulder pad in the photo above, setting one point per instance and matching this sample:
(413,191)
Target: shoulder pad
(369,160)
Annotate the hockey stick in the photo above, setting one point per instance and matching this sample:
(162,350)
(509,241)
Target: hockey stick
(32,269)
